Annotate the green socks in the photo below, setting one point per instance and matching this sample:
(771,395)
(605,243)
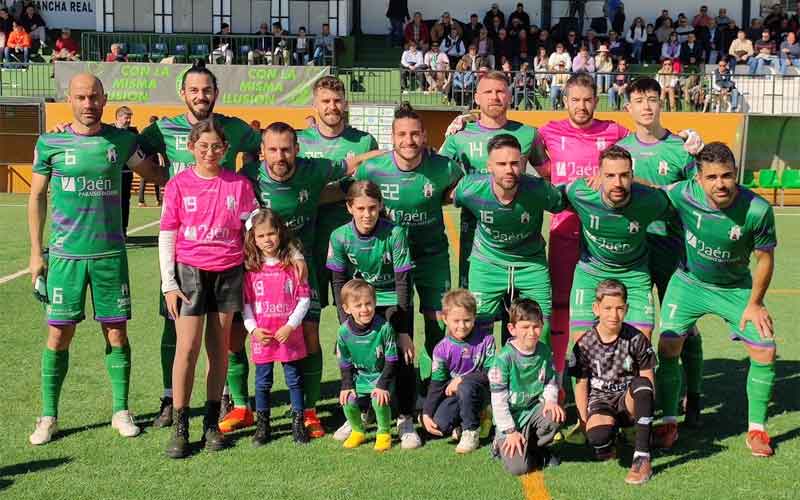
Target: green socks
(168,341)
(353,414)
(238,372)
(118,365)
(383,417)
(668,385)
(692,359)
(312,379)
(760,379)
(54,370)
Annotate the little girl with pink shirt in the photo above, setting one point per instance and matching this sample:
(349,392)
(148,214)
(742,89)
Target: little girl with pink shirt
(276,301)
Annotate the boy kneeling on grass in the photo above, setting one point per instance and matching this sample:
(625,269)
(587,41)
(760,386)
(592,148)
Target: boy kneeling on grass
(459,388)
(367,351)
(524,393)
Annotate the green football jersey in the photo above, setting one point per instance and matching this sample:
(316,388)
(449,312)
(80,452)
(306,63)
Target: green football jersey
(170,138)
(523,377)
(375,258)
(468,147)
(508,234)
(297,198)
(661,163)
(349,143)
(615,239)
(719,242)
(86,185)
(367,352)
(414,198)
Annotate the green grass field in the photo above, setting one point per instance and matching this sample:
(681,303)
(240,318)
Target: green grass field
(90,461)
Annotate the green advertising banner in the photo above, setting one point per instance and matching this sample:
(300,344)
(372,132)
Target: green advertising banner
(152,83)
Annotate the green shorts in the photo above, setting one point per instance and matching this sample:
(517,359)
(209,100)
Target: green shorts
(492,284)
(641,312)
(467,236)
(330,217)
(67,280)
(431,276)
(688,299)
(664,258)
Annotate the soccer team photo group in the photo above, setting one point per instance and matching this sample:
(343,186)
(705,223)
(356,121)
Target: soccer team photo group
(501,310)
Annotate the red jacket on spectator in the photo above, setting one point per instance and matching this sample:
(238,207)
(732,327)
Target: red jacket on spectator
(67,43)
(424,34)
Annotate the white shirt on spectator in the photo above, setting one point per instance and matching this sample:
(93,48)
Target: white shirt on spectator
(556,58)
(410,59)
(432,59)
(637,34)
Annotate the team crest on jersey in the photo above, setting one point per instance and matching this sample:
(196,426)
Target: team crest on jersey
(350,155)
(525,218)
(627,365)
(427,190)
(633,227)
(288,287)
(111,154)
(379,352)
(735,233)
(663,168)
(601,144)
(230,202)
(302,196)
(387,258)
(542,375)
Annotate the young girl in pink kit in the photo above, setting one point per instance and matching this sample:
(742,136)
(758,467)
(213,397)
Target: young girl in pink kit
(201,250)
(276,301)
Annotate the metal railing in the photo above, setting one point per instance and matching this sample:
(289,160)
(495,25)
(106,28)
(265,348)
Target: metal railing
(28,80)
(239,49)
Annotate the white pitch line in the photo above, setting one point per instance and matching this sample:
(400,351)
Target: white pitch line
(8,205)
(23,272)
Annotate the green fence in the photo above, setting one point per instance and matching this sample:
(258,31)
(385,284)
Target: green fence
(29,80)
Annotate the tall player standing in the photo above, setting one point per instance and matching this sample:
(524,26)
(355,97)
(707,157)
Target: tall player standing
(660,159)
(170,138)
(87,245)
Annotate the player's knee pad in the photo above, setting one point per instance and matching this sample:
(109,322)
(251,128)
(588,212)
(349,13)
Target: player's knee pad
(643,395)
(601,439)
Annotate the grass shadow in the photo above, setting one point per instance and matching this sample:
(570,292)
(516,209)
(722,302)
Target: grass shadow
(141,241)
(28,467)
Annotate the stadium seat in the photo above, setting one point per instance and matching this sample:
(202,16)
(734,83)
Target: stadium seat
(138,52)
(243,51)
(158,52)
(768,179)
(200,50)
(789,180)
(749,181)
(181,53)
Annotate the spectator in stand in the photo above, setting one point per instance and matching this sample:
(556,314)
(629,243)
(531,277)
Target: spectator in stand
(417,31)
(522,49)
(782,31)
(472,31)
(636,36)
(520,14)
(615,45)
(668,80)
(544,40)
(524,86)
(413,66)
(453,45)
(515,27)
(790,53)
(486,47)
(683,29)
(115,54)
(463,82)
(2,42)
(495,26)
(664,17)
(439,80)
(18,45)
(262,46)
(591,42)
(618,20)
(794,22)
(34,25)
(691,51)
(223,46)
(702,18)
(302,48)
(541,68)
(710,42)
(741,49)
(503,47)
(397,12)
(722,18)
(66,48)
(432,59)
(723,85)
(324,45)
(765,53)
(663,31)
(671,49)
(122,120)
(604,65)
(756,27)
(557,84)
(617,96)
(583,61)
(652,47)
(773,21)
(6,22)
(493,12)
(727,34)
(572,43)
(559,56)
(442,29)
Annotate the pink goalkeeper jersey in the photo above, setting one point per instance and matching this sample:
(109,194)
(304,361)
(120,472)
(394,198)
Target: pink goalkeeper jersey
(273,293)
(208,215)
(574,153)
